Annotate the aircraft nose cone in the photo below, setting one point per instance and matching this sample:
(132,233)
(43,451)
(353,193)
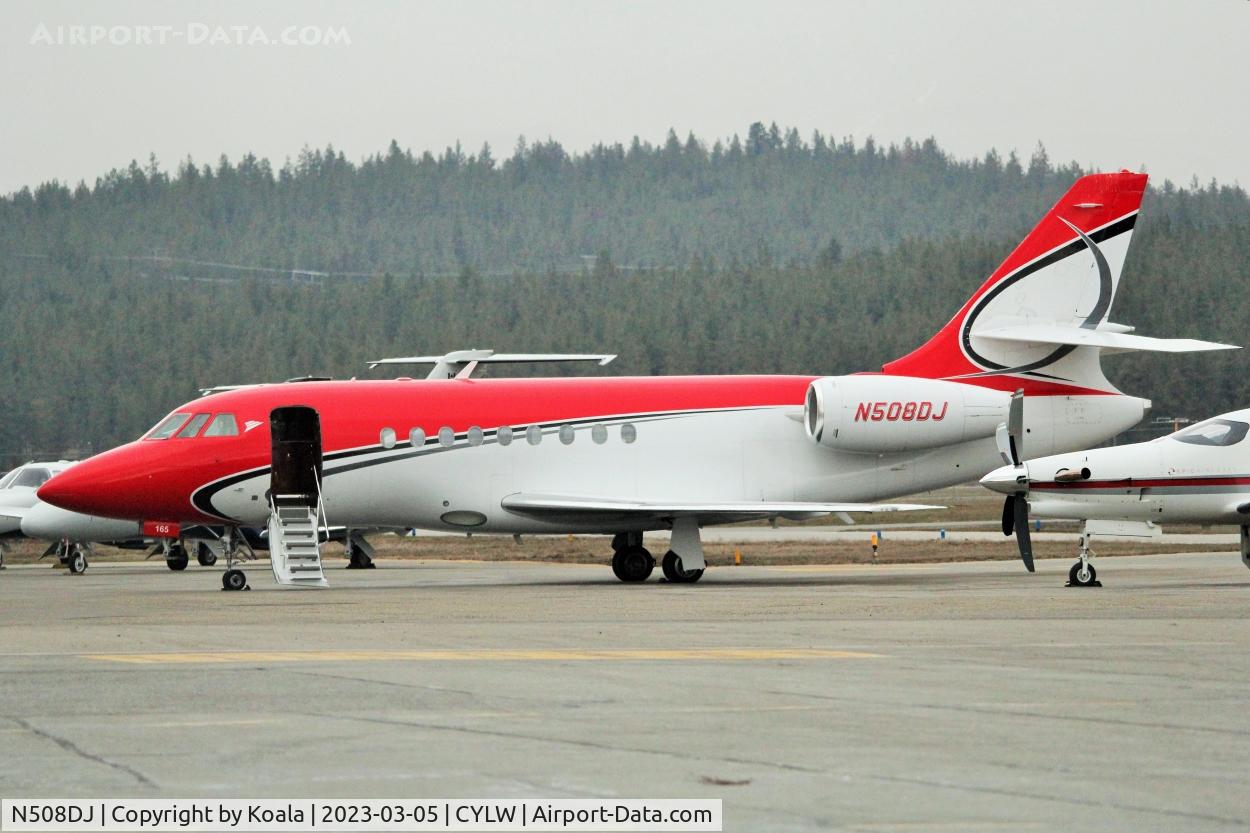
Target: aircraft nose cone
(71,489)
(1002,479)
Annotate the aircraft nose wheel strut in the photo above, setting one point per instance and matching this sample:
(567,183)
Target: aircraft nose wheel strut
(234,578)
(1082,573)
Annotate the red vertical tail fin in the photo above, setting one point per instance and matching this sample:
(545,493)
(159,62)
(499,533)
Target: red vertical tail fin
(1063,275)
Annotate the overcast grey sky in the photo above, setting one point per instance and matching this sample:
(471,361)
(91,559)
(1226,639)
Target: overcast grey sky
(1112,83)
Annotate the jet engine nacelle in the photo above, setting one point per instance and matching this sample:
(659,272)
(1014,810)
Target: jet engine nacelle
(880,414)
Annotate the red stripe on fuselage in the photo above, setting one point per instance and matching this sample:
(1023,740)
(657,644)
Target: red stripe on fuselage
(1145,483)
(353,412)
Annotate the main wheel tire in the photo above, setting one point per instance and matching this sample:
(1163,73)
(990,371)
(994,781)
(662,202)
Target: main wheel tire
(206,556)
(1080,576)
(233,580)
(77,561)
(633,564)
(177,559)
(671,565)
(357,560)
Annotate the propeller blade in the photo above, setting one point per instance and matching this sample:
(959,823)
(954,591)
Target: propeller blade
(1002,438)
(1009,515)
(1015,426)
(1020,521)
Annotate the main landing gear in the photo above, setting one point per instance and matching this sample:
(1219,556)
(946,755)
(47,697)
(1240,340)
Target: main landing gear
(176,557)
(1082,573)
(631,562)
(359,551)
(205,555)
(673,571)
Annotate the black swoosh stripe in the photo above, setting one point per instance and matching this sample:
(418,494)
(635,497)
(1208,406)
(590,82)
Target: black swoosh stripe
(202,498)
(1082,243)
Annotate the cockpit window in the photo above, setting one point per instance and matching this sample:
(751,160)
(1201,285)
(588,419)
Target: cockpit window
(1218,432)
(8,478)
(193,427)
(32,478)
(167,428)
(223,425)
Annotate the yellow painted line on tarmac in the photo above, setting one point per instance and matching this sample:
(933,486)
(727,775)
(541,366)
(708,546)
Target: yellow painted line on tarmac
(482,655)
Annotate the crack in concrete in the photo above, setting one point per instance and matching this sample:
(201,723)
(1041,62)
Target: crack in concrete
(75,749)
(974,788)
(495,733)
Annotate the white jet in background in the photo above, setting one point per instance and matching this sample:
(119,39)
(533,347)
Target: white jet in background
(1199,475)
(23,513)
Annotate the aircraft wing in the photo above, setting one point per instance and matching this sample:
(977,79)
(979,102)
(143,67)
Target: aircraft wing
(1111,341)
(11,518)
(565,507)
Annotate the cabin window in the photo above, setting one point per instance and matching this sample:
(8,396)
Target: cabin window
(223,425)
(628,432)
(167,427)
(446,437)
(32,478)
(533,435)
(387,437)
(417,437)
(566,434)
(599,434)
(1216,432)
(505,435)
(193,427)
(476,437)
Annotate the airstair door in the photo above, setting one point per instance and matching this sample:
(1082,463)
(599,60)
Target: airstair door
(295,507)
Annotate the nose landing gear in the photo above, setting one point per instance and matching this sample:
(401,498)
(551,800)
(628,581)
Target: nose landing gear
(77,559)
(234,578)
(1083,573)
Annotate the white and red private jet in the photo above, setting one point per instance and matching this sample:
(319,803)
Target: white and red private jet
(1198,475)
(621,456)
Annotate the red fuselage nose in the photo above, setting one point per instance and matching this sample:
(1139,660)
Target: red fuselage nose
(143,480)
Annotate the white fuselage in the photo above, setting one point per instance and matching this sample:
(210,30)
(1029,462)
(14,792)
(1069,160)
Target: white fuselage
(760,454)
(1199,475)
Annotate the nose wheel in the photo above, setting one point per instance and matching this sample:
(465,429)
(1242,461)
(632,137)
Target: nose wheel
(1082,573)
(234,579)
(76,560)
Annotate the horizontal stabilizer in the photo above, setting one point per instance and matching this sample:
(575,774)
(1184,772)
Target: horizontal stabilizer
(461,363)
(564,506)
(1108,340)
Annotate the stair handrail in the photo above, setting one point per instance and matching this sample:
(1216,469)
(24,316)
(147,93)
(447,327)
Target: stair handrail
(321,507)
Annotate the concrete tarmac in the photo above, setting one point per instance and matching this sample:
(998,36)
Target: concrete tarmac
(865,697)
